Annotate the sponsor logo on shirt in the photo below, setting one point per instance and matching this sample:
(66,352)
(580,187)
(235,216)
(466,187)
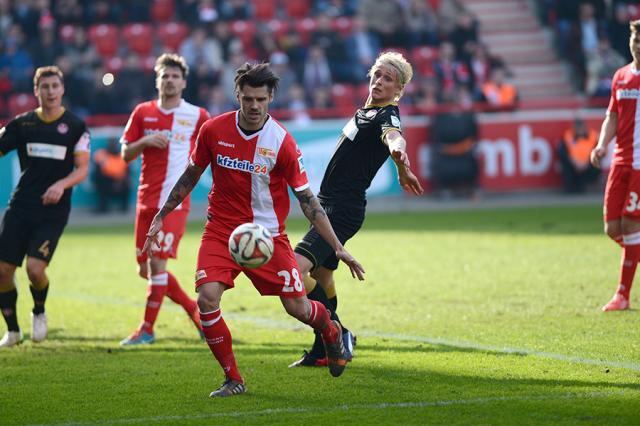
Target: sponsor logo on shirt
(228,145)
(63,128)
(242,165)
(395,121)
(201,274)
(266,152)
(46,150)
(627,94)
(150,119)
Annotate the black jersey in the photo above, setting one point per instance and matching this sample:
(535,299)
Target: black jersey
(359,155)
(46,153)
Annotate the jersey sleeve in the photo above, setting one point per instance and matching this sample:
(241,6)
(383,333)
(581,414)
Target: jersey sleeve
(84,143)
(9,137)
(613,101)
(133,130)
(292,164)
(201,154)
(389,119)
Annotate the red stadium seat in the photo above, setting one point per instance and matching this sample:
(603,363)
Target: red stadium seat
(305,27)
(139,38)
(162,10)
(297,8)
(423,58)
(343,25)
(264,9)
(172,34)
(21,102)
(147,63)
(278,27)
(114,65)
(363,92)
(245,31)
(66,33)
(105,38)
(343,95)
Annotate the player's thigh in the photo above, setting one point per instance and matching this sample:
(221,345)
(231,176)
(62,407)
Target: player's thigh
(214,261)
(45,236)
(631,207)
(15,232)
(173,227)
(280,276)
(617,193)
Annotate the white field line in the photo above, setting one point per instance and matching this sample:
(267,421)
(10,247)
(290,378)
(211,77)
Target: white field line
(292,325)
(346,408)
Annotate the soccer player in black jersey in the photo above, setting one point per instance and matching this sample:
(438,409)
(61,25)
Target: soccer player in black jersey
(53,149)
(368,139)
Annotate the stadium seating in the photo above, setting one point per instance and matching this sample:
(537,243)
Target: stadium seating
(171,34)
(423,58)
(105,39)
(264,10)
(343,25)
(297,8)
(162,10)
(245,31)
(305,27)
(66,33)
(21,102)
(278,27)
(139,38)
(343,95)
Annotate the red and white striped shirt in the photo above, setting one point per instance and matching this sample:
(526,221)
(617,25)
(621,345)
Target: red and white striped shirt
(625,94)
(251,174)
(161,168)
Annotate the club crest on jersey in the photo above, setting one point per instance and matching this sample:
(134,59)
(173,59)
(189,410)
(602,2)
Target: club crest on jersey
(395,121)
(371,113)
(201,274)
(242,165)
(63,128)
(266,152)
(183,122)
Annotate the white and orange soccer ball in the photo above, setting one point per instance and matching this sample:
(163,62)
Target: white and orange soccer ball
(251,245)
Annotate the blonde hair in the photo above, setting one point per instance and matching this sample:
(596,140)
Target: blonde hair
(404,71)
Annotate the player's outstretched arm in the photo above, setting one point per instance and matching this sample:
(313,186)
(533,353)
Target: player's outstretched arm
(607,132)
(53,194)
(398,149)
(180,190)
(318,217)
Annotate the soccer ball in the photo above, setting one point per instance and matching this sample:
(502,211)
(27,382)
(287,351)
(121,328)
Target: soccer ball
(251,245)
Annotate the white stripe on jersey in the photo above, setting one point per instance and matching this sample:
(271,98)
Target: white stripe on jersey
(635,164)
(185,118)
(271,138)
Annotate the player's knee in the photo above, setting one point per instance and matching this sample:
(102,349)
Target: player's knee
(157,266)
(304,264)
(629,226)
(296,308)
(36,274)
(208,302)
(613,229)
(6,276)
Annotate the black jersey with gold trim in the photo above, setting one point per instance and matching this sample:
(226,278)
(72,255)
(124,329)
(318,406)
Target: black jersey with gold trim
(46,152)
(359,155)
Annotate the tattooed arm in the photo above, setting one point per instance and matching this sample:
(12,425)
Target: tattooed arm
(318,217)
(180,190)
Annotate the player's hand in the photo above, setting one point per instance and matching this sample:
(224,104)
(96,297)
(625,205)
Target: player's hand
(157,140)
(152,243)
(53,194)
(597,154)
(409,182)
(400,158)
(354,266)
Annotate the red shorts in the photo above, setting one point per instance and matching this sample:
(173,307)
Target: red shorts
(279,277)
(169,237)
(622,194)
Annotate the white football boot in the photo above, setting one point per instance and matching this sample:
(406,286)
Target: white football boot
(38,327)
(11,338)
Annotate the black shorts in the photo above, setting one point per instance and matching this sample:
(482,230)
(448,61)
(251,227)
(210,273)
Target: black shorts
(35,234)
(346,221)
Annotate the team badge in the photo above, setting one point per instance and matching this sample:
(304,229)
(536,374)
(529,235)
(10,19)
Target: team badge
(371,113)
(266,152)
(63,128)
(395,121)
(201,274)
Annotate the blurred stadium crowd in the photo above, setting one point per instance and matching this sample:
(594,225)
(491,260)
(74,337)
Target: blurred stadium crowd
(320,48)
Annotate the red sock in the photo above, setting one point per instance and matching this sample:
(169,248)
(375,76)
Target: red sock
(320,320)
(630,258)
(218,338)
(156,290)
(177,294)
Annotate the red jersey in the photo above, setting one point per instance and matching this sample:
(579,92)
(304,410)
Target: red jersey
(161,168)
(625,93)
(251,174)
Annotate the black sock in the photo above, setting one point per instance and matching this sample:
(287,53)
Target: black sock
(8,307)
(333,301)
(39,297)
(319,295)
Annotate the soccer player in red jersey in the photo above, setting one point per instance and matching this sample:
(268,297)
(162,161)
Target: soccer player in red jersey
(163,132)
(622,193)
(254,160)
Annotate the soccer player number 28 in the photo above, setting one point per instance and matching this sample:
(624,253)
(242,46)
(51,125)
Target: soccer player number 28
(297,282)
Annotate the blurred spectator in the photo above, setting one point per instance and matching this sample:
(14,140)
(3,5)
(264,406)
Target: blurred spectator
(321,98)
(200,48)
(448,13)
(68,12)
(601,67)
(280,66)
(574,150)
(426,97)
(228,42)
(454,135)
(235,9)
(6,18)
(332,43)
(385,19)
(298,105)
(451,72)
(81,52)
(421,24)
(465,31)
(229,75)
(103,11)
(480,64)
(207,12)
(316,70)
(497,92)
(111,177)
(296,52)
(336,8)
(619,30)
(45,49)
(218,102)
(264,42)
(131,85)
(362,48)
(16,61)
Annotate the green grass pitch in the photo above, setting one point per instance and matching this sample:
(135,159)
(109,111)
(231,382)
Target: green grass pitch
(466,317)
